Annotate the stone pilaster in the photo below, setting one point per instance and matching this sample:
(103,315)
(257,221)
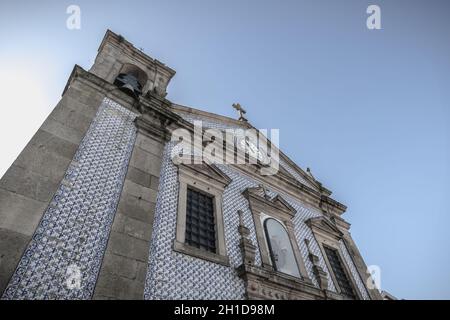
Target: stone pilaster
(248,249)
(319,273)
(122,275)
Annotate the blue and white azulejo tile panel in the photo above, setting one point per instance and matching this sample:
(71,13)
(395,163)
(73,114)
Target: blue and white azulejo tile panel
(64,256)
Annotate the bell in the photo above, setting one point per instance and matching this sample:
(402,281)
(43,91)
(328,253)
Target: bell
(128,84)
(128,88)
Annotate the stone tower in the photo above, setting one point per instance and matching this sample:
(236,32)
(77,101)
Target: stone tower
(95,207)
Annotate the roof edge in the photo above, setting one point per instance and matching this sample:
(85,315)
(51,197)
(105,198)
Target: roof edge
(195,111)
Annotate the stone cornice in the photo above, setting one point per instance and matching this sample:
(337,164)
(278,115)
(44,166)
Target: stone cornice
(325,227)
(265,284)
(157,118)
(130,49)
(277,203)
(285,185)
(211,116)
(206,171)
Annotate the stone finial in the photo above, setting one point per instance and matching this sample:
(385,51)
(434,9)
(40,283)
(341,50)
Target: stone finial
(319,273)
(308,170)
(264,190)
(241,111)
(247,248)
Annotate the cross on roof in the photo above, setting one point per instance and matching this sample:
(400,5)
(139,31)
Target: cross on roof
(241,111)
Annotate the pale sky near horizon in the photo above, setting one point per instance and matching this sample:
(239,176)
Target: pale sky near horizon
(367,110)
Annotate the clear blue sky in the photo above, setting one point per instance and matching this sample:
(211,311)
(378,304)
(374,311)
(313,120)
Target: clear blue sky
(368,111)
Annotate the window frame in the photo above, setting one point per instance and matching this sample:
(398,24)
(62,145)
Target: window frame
(344,267)
(328,235)
(278,209)
(264,220)
(214,218)
(202,181)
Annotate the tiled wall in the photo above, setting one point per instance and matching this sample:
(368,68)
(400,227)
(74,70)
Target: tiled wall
(172,275)
(72,235)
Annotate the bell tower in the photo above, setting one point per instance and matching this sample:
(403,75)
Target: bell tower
(120,63)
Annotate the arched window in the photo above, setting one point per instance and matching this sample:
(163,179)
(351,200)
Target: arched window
(281,252)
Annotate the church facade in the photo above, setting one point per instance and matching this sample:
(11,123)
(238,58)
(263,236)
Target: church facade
(105,202)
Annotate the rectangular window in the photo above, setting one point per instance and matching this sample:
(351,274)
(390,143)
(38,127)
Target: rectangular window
(200,225)
(339,273)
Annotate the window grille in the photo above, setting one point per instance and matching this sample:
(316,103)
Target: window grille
(200,224)
(339,273)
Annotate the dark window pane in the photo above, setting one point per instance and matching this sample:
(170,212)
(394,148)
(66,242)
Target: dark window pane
(339,273)
(200,227)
